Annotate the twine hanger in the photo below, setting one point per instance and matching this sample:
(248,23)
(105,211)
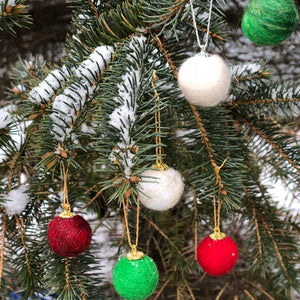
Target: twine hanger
(204,46)
(65,205)
(217,234)
(134,254)
(159,163)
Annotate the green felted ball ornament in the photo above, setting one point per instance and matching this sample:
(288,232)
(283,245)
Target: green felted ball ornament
(269,22)
(135,276)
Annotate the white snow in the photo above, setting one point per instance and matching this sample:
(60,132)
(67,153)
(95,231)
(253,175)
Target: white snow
(281,193)
(18,135)
(87,129)
(124,116)
(49,86)
(20,87)
(67,105)
(17,131)
(16,200)
(5,119)
(182,135)
(250,68)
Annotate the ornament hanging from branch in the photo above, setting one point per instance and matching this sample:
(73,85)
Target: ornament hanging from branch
(160,187)
(217,254)
(204,79)
(135,276)
(269,22)
(68,234)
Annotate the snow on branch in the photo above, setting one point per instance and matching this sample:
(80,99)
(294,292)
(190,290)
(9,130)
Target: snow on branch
(16,132)
(16,200)
(67,105)
(49,86)
(124,116)
(240,70)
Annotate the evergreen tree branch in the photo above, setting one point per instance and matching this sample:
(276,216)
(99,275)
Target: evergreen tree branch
(260,101)
(167,9)
(94,9)
(209,150)
(213,35)
(249,295)
(222,291)
(259,288)
(160,254)
(161,290)
(189,289)
(13,16)
(277,251)
(164,51)
(161,233)
(102,220)
(22,234)
(271,143)
(4,220)
(258,235)
(271,228)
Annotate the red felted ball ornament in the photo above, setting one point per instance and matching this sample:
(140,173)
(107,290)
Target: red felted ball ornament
(69,236)
(217,256)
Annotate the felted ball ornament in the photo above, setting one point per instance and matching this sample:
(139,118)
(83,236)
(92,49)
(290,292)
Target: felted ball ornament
(135,276)
(161,189)
(69,235)
(269,22)
(217,254)
(204,79)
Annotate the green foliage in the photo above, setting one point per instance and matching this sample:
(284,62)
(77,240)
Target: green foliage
(12,17)
(95,115)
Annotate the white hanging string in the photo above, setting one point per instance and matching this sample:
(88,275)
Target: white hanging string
(202,47)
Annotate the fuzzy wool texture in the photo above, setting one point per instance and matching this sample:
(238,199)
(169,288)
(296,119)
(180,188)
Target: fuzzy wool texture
(135,279)
(204,80)
(269,22)
(69,237)
(217,257)
(16,200)
(161,189)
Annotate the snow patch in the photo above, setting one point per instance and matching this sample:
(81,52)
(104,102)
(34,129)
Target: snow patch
(49,86)
(124,116)
(16,200)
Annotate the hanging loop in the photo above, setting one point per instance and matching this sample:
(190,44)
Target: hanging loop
(65,205)
(159,165)
(204,46)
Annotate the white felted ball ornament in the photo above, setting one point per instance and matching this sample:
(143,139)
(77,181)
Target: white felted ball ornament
(204,79)
(161,189)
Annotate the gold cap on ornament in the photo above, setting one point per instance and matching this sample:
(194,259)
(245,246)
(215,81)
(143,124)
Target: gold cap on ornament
(134,254)
(160,166)
(217,235)
(67,211)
